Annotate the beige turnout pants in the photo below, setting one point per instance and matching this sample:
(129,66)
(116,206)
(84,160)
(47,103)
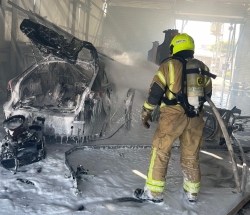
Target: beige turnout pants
(173,124)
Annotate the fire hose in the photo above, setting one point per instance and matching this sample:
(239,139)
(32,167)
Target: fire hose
(239,185)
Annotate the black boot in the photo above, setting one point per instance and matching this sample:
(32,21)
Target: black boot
(191,197)
(147,196)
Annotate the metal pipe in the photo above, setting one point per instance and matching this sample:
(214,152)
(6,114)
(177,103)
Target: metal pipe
(82,21)
(68,15)
(233,52)
(100,9)
(87,19)
(227,64)
(242,117)
(102,12)
(74,17)
(14,49)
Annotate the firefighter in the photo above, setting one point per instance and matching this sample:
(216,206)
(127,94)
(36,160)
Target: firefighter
(175,121)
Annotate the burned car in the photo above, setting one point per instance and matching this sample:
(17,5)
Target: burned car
(68,88)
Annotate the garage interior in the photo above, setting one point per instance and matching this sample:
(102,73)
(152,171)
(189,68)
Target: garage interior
(135,26)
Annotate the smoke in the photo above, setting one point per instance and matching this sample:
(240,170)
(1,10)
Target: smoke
(130,70)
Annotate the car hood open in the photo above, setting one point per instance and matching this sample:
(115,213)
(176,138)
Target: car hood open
(51,39)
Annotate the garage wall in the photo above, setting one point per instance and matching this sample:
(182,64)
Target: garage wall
(134,29)
(72,16)
(61,13)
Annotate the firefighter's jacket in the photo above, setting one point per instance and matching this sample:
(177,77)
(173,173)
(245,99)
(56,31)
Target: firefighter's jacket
(169,79)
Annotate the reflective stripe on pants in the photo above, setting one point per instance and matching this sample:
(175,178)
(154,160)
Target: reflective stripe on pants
(191,187)
(154,185)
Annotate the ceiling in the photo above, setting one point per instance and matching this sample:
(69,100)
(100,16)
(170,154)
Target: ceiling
(232,11)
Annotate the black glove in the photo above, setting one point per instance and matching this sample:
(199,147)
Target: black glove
(146,115)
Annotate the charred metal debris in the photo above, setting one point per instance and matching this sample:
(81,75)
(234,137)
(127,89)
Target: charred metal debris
(22,144)
(233,121)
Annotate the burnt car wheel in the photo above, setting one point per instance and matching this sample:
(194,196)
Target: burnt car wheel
(93,116)
(106,102)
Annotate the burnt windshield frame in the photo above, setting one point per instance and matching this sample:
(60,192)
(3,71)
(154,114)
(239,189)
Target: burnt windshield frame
(44,80)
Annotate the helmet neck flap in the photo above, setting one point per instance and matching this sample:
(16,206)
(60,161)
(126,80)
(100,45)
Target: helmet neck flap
(184,54)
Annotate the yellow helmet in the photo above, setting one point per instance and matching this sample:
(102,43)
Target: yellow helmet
(181,42)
